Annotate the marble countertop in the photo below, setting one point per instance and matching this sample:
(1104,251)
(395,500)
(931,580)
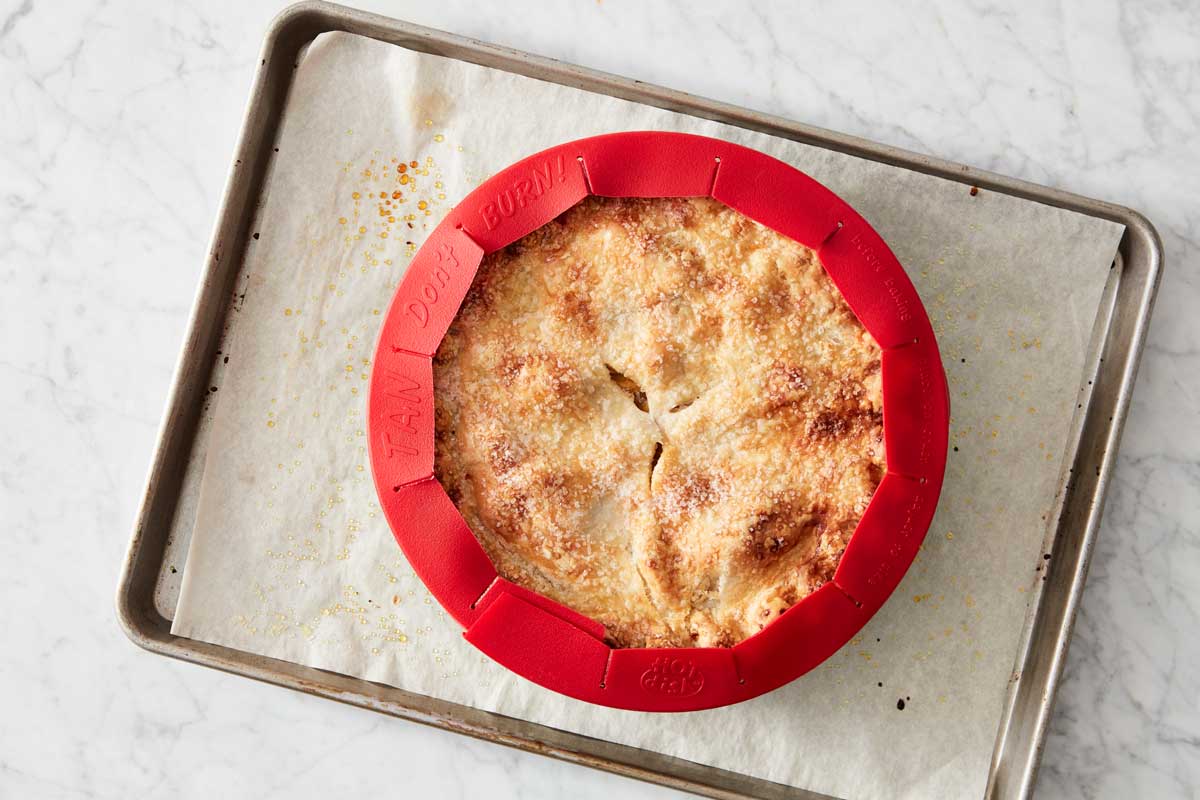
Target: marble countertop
(117,124)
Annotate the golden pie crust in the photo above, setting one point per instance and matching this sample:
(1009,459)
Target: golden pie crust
(661,414)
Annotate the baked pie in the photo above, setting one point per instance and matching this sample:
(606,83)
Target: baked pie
(662,415)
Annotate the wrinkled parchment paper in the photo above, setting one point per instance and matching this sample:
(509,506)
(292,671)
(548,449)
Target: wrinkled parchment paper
(291,557)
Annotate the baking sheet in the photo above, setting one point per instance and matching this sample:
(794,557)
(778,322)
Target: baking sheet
(290,557)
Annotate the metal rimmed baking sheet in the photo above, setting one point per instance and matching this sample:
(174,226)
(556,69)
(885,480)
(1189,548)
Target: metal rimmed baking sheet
(1131,291)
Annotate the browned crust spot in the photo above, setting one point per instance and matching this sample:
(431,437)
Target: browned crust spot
(662,415)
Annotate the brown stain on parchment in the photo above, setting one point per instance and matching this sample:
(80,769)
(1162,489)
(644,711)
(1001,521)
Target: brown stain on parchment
(433,104)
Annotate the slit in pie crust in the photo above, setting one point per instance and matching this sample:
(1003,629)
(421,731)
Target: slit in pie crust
(662,415)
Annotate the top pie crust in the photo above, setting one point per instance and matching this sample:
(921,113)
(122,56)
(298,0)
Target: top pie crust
(661,414)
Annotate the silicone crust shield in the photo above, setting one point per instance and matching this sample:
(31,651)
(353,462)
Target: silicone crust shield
(545,641)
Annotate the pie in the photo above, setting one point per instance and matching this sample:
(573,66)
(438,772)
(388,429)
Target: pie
(662,415)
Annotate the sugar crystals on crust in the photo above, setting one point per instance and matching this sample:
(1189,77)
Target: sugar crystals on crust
(662,415)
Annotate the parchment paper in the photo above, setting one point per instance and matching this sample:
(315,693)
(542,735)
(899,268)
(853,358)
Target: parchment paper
(292,559)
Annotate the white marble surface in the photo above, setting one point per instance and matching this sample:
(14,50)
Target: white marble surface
(117,124)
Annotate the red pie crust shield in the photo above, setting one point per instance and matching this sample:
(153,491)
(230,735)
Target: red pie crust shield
(544,641)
